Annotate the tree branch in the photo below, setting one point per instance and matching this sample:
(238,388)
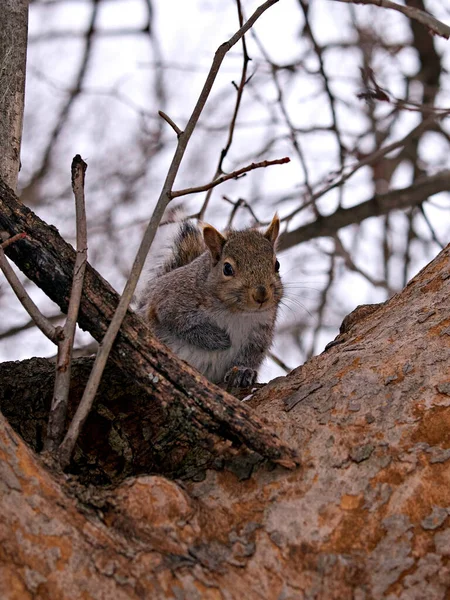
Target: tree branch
(44,325)
(228,176)
(58,410)
(426,19)
(237,105)
(380,204)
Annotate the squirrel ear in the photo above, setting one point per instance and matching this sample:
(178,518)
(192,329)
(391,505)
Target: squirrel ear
(273,230)
(214,241)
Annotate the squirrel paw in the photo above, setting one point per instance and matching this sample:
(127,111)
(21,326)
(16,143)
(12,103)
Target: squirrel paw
(240,377)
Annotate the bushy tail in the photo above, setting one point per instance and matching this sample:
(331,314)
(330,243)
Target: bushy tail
(177,243)
(186,247)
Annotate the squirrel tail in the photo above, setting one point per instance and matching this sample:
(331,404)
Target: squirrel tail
(177,243)
(186,247)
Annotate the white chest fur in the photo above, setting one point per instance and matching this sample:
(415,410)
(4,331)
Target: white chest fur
(215,364)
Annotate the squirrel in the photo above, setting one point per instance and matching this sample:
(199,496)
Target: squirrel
(214,299)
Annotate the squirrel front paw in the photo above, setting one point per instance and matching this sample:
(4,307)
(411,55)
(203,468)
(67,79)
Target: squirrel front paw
(240,377)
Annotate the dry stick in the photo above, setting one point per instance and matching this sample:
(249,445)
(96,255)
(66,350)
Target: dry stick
(25,326)
(233,175)
(379,204)
(426,19)
(341,250)
(281,103)
(85,405)
(58,410)
(240,202)
(12,240)
(240,91)
(44,325)
(170,122)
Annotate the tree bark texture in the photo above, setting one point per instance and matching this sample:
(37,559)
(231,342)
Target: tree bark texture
(365,516)
(125,434)
(13,56)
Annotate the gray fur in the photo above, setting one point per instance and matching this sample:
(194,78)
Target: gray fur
(187,314)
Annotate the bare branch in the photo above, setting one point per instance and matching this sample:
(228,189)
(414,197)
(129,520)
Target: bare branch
(277,360)
(380,204)
(25,326)
(340,178)
(426,19)
(233,175)
(240,91)
(170,122)
(163,201)
(58,410)
(44,325)
(12,239)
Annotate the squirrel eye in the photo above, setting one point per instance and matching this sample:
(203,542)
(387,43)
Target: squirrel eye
(277,266)
(228,269)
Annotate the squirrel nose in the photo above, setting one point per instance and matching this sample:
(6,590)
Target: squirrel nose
(260,294)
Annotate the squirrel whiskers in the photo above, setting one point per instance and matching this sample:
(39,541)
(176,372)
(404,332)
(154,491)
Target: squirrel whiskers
(215,298)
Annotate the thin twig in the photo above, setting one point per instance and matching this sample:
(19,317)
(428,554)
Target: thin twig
(340,250)
(426,19)
(58,410)
(11,240)
(240,91)
(163,201)
(25,326)
(240,203)
(44,325)
(228,176)
(369,159)
(277,360)
(431,228)
(168,120)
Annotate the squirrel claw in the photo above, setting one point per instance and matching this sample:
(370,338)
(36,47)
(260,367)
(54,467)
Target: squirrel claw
(240,377)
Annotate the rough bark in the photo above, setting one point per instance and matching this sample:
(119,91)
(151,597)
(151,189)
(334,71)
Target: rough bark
(125,434)
(366,516)
(13,55)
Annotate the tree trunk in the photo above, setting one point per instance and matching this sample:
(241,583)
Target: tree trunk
(13,57)
(365,516)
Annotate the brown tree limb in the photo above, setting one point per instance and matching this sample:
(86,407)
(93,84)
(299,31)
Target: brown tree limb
(237,105)
(192,406)
(380,204)
(234,175)
(433,24)
(58,410)
(39,319)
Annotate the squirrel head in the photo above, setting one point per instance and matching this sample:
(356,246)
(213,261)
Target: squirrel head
(245,270)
